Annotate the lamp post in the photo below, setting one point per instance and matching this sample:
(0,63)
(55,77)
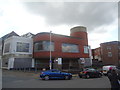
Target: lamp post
(50,62)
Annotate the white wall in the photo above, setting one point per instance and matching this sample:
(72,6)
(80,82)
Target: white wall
(10,63)
(12,54)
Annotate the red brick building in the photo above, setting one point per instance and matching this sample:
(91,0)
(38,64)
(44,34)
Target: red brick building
(71,49)
(110,53)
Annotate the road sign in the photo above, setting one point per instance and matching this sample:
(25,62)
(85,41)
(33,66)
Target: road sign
(50,61)
(82,60)
(59,61)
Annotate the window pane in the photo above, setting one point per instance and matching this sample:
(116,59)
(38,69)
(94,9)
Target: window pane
(7,47)
(38,46)
(109,54)
(47,46)
(22,47)
(70,48)
(108,47)
(86,50)
(44,46)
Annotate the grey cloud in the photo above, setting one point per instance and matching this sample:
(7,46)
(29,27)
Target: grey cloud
(1,12)
(89,14)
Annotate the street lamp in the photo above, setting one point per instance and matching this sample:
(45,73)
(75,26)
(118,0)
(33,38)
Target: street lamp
(50,62)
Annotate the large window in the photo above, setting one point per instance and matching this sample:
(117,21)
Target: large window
(86,49)
(109,54)
(70,48)
(7,47)
(44,46)
(108,48)
(22,47)
(119,47)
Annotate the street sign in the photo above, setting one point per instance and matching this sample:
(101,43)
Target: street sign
(50,61)
(59,61)
(82,60)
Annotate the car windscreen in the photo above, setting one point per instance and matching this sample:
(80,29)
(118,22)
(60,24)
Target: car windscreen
(55,71)
(91,69)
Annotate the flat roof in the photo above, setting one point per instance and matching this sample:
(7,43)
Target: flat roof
(112,42)
(58,35)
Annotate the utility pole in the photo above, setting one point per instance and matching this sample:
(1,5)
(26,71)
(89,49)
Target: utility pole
(50,62)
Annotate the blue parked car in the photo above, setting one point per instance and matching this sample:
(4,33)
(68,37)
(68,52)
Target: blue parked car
(55,74)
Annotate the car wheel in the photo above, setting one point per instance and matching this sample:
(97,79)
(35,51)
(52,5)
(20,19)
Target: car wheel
(46,78)
(87,76)
(67,78)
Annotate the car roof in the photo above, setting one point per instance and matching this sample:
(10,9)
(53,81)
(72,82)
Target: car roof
(110,66)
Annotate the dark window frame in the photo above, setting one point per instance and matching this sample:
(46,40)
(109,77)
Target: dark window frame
(7,48)
(22,47)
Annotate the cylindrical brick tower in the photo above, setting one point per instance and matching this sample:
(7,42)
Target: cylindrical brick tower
(80,32)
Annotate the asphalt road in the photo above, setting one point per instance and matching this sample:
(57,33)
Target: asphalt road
(15,79)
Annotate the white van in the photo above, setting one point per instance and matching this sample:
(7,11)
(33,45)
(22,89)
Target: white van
(106,68)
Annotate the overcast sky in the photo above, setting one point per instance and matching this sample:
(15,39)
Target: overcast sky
(100,18)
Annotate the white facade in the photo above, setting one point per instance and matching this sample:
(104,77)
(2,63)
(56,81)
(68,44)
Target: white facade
(17,52)
(13,45)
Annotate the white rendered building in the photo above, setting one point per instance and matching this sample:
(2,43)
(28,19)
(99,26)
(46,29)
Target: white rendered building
(17,52)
